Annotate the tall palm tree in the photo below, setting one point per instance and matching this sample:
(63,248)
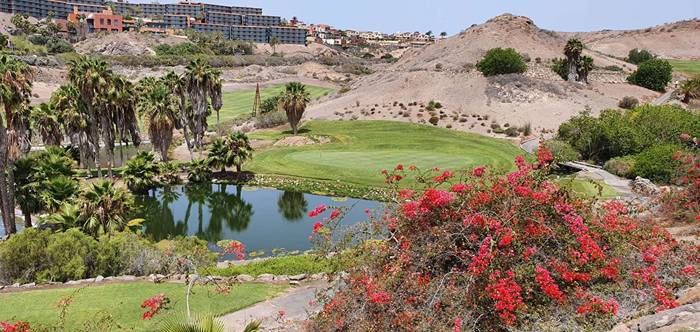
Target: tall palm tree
(117,115)
(15,91)
(294,101)
(202,84)
(90,77)
(71,114)
(104,208)
(27,188)
(45,120)
(573,50)
(159,109)
(175,84)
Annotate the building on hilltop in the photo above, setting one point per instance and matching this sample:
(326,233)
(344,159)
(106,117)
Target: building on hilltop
(244,23)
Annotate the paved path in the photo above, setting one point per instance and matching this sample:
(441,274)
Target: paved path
(663,99)
(295,303)
(619,184)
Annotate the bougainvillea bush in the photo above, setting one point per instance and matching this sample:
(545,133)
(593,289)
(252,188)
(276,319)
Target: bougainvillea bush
(682,203)
(489,252)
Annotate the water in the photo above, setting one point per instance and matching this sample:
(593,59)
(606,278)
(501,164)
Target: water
(263,219)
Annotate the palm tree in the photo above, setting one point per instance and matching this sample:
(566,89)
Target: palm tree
(45,120)
(27,188)
(202,84)
(117,115)
(56,191)
(199,171)
(175,84)
(690,89)
(294,100)
(71,113)
(292,205)
(159,109)
(233,150)
(68,216)
(15,91)
(274,41)
(585,67)
(104,208)
(573,50)
(90,77)
(207,323)
(140,172)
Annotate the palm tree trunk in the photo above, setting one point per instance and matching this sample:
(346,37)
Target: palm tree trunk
(10,196)
(95,138)
(8,211)
(238,169)
(218,124)
(27,219)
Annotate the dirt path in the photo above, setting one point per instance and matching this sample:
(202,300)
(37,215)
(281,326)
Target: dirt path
(297,304)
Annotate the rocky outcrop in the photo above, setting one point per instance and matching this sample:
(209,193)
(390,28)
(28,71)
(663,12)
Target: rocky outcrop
(683,318)
(644,187)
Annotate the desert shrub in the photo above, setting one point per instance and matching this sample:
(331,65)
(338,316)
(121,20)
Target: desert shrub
(178,49)
(192,249)
(126,253)
(562,151)
(501,253)
(355,69)
(270,104)
(438,67)
(433,105)
(270,119)
(560,68)
(512,132)
(628,103)
(658,163)
(498,61)
(58,45)
(613,68)
(654,74)
(526,129)
(637,56)
(682,203)
(434,120)
(621,166)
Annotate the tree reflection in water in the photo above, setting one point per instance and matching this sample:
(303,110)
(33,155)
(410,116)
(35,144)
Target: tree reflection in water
(292,205)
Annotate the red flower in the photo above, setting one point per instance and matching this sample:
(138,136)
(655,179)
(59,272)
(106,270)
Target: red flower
(457,327)
(379,297)
(406,193)
(446,175)
(398,167)
(154,305)
(317,226)
(544,155)
(506,293)
(479,171)
(16,327)
(335,214)
(318,210)
(235,248)
(598,305)
(459,188)
(548,285)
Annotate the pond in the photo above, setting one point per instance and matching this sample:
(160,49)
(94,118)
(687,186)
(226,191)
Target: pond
(263,219)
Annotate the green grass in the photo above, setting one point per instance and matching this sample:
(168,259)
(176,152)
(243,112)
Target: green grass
(122,302)
(289,265)
(239,104)
(588,188)
(359,150)
(690,67)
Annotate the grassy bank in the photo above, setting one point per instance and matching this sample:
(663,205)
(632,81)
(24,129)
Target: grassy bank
(240,103)
(120,304)
(359,150)
(690,67)
(284,265)
(588,188)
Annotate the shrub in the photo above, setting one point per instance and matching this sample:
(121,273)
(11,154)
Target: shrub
(628,103)
(58,45)
(560,67)
(654,74)
(637,56)
(199,171)
(683,203)
(562,151)
(178,49)
(621,166)
(501,252)
(270,120)
(140,172)
(498,61)
(434,120)
(658,163)
(613,68)
(271,104)
(512,132)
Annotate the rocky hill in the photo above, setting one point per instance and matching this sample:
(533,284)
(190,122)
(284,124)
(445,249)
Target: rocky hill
(678,40)
(445,72)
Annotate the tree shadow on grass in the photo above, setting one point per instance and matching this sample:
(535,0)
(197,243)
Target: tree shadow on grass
(299,132)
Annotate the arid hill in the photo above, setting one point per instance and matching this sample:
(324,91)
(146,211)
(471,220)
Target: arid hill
(678,40)
(445,72)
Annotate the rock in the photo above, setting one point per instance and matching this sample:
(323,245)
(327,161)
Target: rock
(294,283)
(690,295)
(644,187)
(266,278)
(15,285)
(686,317)
(87,281)
(29,285)
(245,278)
(298,277)
(72,282)
(127,278)
(223,265)
(621,327)
(110,278)
(99,279)
(282,278)
(318,276)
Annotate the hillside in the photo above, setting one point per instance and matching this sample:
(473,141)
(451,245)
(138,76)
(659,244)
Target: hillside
(678,40)
(445,72)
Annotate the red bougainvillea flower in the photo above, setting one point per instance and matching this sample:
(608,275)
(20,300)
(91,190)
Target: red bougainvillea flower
(379,297)
(16,327)
(317,227)
(457,327)
(398,167)
(505,291)
(597,305)
(335,214)
(154,305)
(479,171)
(459,188)
(446,175)
(234,248)
(318,210)
(548,285)
(406,193)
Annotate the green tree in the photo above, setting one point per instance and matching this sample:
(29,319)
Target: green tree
(15,91)
(690,89)
(159,108)
(104,208)
(233,150)
(637,56)
(585,67)
(199,171)
(499,61)
(27,188)
(140,172)
(45,120)
(294,100)
(292,205)
(654,74)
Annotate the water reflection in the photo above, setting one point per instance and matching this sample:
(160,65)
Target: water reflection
(215,212)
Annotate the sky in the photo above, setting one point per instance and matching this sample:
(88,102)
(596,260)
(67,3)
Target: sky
(453,16)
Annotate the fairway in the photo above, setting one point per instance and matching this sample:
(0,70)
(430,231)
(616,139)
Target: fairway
(237,104)
(690,67)
(120,304)
(359,150)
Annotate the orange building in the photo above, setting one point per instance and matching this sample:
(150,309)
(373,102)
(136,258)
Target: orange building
(95,22)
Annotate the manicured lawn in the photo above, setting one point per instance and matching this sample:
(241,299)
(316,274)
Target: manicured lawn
(122,302)
(290,265)
(359,150)
(691,67)
(240,103)
(588,188)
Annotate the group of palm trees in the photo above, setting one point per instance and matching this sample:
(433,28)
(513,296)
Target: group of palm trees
(578,66)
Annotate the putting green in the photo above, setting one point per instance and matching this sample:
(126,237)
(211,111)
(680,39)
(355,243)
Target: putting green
(690,67)
(359,150)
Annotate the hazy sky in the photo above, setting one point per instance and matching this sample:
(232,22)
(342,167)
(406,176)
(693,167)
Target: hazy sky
(455,15)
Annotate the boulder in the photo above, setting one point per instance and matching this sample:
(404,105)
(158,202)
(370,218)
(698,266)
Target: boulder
(127,278)
(99,279)
(298,277)
(72,282)
(318,276)
(644,187)
(29,285)
(281,278)
(294,283)
(245,278)
(265,278)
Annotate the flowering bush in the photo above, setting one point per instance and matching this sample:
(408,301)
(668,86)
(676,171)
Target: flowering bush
(232,247)
(683,203)
(154,305)
(513,251)
(16,327)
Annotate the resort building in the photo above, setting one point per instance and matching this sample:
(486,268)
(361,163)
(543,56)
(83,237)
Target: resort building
(244,23)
